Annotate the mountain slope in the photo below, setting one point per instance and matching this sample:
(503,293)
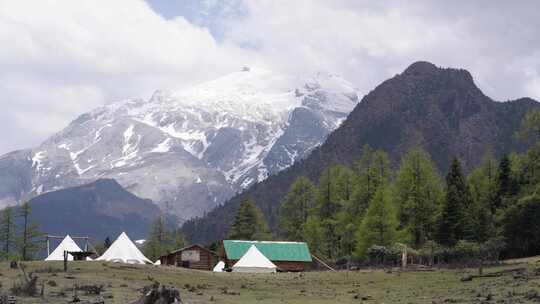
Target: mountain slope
(191,149)
(438,109)
(99,209)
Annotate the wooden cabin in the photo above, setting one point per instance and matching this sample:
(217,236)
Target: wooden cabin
(287,256)
(193,256)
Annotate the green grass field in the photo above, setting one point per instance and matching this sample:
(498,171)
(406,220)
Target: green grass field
(123,283)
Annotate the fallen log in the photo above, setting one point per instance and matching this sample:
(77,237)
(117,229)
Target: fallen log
(492,274)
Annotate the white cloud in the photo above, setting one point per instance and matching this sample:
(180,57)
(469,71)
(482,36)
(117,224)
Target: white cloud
(369,41)
(60,58)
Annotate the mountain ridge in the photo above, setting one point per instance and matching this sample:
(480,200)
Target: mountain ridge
(98,209)
(439,109)
(188,150)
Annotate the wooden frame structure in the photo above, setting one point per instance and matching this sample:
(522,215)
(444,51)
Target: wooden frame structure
(49,237)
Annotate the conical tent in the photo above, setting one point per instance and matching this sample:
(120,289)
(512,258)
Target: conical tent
(254,261)
(67,244)
(123,250)
(219,267)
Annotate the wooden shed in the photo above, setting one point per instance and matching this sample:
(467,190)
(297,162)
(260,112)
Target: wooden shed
(193,256)
(287,256)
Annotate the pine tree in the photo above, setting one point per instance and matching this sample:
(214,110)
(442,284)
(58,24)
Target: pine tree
(161,240)
(313,236)
(418,193)
(456,222)
(155,246)
(522,228)
(483,185)
(335,189)
(178,239)
(529,174)
(295,208)
(506,185)
(249,223)
(29,241)
(530,126)
(7,230)
(335,192)
(379,226)
(373,170)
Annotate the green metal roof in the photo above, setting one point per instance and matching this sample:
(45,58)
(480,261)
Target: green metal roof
(274,251)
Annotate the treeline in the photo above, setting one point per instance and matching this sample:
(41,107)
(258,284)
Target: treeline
(20,239)
(162,239)
(369,212)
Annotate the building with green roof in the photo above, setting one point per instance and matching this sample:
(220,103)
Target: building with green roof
(288,256)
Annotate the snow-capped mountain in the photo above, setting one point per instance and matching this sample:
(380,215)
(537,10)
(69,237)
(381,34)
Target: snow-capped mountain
(191,149)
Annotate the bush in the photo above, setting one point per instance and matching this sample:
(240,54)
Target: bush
(463,253)
(390,255)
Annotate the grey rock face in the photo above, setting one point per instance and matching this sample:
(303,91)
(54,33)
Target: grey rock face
(15,177)
(186,151)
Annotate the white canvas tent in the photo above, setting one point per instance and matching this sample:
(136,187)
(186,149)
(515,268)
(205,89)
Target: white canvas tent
(67,244)
(219,267)
(123,250)
(253,261)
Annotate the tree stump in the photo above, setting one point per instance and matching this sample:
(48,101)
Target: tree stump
(159,294)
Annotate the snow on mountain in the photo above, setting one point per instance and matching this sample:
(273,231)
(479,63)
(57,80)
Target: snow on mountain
(191,149)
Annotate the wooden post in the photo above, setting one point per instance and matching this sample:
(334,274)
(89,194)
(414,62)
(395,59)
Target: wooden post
(65,260)
(404,258)
(322,263)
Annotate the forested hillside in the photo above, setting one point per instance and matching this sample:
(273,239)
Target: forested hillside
(100,209)
(439,110)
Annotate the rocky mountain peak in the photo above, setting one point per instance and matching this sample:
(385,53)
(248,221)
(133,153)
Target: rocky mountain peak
(421,68)
(191,149)
(439,110)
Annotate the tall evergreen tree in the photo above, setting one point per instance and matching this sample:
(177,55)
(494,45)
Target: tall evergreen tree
(335,191)
(373,171)
(522,228)
(529,171)
(249,223)
(296,207)
(7,230)
(456,222)
(418,194)
(161,240)
(379,226)
(530,126)
(483,186)
(155,244)
(506,185)
(29,241)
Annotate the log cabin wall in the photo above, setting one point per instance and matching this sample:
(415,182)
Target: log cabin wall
(193,257)
(292,266)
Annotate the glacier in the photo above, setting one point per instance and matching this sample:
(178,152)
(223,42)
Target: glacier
(189,149)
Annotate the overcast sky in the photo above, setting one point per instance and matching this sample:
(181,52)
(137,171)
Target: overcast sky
(60,58)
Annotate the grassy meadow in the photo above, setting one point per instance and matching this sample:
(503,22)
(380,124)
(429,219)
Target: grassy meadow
(123,284)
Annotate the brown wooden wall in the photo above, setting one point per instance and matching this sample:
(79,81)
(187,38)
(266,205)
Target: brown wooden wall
(282,265)
(206,259)
(293,265)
